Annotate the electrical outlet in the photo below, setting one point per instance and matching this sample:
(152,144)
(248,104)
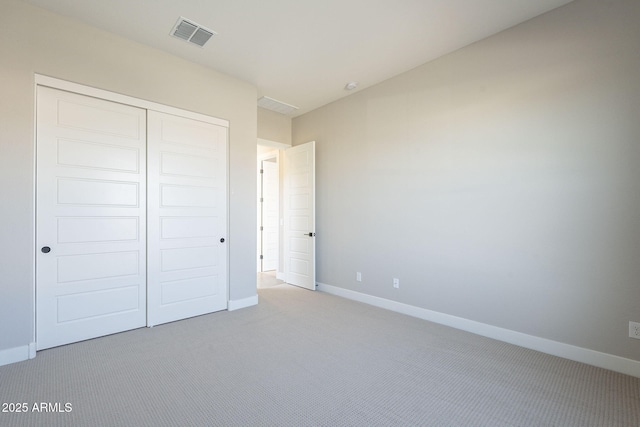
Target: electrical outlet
(634,330)
(358,276)
(396,283)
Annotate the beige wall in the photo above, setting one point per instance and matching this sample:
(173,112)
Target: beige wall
(500,183)
(274,126)
(35,41)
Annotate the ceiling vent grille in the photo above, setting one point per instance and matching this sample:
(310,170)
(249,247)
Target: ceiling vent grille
(188,30)
(277,106)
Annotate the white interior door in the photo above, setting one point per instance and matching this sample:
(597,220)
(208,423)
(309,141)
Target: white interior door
(90,227)
(187,224)
(270,215)
(299,215)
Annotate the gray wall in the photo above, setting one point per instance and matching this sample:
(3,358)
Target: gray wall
(35,41)
(500,183)
(274,126)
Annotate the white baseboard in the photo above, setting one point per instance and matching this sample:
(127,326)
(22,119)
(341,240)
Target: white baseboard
(555,348)
(17,354)
(32,350)
(242,303)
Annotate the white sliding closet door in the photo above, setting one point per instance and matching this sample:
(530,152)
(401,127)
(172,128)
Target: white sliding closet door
(90,227)
(187,225)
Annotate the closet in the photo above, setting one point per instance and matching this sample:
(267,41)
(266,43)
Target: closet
(131,216)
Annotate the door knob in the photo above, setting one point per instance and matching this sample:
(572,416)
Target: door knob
(222,240)
(45,249)
(312,234)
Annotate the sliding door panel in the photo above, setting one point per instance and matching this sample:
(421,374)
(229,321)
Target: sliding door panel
(90,227)
(187,226)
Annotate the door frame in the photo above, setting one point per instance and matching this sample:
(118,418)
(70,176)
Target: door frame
(55,83)
(274,146)
(273,154)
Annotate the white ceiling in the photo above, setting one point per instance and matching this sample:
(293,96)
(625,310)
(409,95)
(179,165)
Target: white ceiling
(303,52)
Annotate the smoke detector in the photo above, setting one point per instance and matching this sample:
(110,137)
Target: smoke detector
(275,105)
(351,86)
(191,32)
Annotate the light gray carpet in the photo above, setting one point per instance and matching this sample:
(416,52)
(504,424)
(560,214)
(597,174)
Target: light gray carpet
(303,358)
(268,279)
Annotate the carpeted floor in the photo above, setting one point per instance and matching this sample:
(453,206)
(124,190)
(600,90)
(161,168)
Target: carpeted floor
(303,358)
(268,279)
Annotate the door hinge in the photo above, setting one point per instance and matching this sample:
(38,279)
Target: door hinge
(261,199)
(261,228)
(261,170)
(261,257)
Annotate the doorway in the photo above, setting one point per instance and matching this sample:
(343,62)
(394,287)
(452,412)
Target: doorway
(286,213)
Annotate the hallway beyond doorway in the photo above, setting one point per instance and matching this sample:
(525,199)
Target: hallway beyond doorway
(268,279)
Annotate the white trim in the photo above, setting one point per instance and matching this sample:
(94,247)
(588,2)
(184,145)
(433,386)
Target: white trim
(54,83)
(243,303)
(32,350)
(281,276)
(15,354)
(273,154)
(228,213)
(555,348)
(258,215)
(34,225)
(269,155)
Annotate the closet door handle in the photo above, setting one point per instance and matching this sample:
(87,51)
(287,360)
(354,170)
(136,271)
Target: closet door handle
(45,249)
(222,240)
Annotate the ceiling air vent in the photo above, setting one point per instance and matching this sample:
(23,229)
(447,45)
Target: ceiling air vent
(192,32)
(277,106)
